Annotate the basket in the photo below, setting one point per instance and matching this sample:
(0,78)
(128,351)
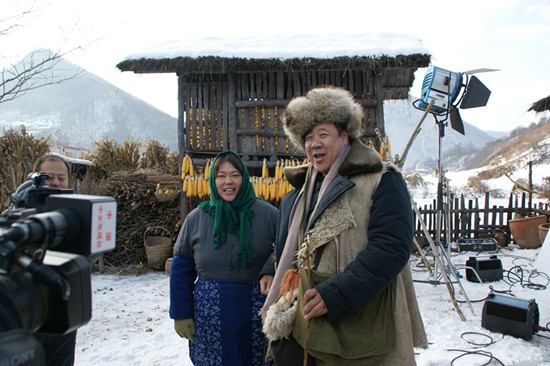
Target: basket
(167,192)
(157,248)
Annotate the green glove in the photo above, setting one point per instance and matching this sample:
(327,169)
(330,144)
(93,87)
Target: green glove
(185,328)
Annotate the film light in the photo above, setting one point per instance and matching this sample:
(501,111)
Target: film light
(447,91)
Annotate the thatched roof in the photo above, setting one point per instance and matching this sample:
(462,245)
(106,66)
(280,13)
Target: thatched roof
(210,64)
(541,105)
(280,52)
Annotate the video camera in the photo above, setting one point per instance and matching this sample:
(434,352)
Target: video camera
(33,193)
(43,290)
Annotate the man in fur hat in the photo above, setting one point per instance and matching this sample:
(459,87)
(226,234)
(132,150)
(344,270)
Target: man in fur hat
(345,231)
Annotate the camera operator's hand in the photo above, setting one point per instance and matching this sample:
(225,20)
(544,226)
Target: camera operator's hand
(185,328)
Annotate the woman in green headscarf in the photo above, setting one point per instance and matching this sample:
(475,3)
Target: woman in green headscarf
(222,269)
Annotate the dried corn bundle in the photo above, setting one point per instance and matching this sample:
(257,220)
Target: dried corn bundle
(276,187)
(19,152)
(195,180)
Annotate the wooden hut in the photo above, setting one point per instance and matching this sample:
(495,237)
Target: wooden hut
(231,92)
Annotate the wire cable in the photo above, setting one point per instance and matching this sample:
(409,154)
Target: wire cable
(465,353)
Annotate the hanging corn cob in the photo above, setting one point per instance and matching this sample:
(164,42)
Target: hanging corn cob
(265,171)
(195,181)
(191,168)
(207,170)
(388,147)
(186,186)
(183,167)
(277,169)
(200,186)
(186,166)
(194,186)
(273,190)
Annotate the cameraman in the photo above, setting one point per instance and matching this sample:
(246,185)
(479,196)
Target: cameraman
(59,349)
(58,170)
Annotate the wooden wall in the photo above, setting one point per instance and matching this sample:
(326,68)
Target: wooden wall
(242,111)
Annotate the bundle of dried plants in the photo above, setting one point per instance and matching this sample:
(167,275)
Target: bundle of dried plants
(19,152)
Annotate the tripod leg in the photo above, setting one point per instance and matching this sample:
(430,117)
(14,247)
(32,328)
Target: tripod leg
(453,271)
(423,256)
(439,263)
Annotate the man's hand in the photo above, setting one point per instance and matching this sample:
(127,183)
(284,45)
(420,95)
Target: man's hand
(265,284)
(185,328)
(314,305)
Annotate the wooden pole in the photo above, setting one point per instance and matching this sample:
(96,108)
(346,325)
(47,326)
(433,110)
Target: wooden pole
(401,161)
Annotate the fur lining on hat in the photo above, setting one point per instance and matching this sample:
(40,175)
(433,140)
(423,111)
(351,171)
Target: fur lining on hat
(328,104)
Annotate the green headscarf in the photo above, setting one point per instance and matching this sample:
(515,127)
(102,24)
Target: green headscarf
(232,217)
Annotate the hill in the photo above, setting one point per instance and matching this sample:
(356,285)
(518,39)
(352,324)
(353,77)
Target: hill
(86,109)
(524,146)
(518,163)
(401,119)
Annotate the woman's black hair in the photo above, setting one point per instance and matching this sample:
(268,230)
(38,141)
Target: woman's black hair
(231,159)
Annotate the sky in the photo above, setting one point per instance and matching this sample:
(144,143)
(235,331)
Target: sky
(509,35)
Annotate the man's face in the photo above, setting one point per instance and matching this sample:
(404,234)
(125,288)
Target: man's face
(57,172)
(323,144)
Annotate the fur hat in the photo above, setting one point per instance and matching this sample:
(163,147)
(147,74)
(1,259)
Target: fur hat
(327,104)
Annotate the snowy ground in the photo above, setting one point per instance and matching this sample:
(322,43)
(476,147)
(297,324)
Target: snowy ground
(130,323)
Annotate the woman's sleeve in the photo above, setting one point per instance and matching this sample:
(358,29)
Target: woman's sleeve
(182,277)
(270,229)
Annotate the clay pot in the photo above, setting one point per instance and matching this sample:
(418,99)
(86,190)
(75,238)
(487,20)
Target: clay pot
(525,231)
(501,237)
(543,230)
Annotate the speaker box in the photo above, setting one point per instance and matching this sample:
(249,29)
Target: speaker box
(477,245)
(488,269)
(510,315)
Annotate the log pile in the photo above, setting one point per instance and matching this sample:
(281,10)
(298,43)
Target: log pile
(138,210)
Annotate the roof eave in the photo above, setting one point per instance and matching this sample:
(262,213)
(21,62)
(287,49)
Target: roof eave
(215,64)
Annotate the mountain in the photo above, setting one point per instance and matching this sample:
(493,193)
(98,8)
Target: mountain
(523,145)
(85,109)
(458,151)
(497,134)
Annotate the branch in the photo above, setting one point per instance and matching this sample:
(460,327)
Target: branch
(31,74)
(6,29)
(36,70)
(527,189)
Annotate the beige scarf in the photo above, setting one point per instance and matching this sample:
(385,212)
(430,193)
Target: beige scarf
(296,228)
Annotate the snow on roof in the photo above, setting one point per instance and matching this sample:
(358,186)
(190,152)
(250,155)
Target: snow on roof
(73,160)
(288,46)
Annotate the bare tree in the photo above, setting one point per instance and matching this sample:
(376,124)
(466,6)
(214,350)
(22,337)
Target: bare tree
(36,70)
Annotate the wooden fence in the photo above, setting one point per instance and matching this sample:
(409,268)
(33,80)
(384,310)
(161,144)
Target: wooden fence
(467,219)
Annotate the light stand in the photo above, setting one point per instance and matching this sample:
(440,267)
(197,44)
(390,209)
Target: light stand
(440,251)
(442,91)
(443,220)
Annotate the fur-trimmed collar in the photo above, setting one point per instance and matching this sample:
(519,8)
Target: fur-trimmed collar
(361,159)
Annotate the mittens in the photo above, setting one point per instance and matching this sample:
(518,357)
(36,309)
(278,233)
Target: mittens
(185,328)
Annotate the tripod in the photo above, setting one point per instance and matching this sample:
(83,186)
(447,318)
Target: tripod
(440,252)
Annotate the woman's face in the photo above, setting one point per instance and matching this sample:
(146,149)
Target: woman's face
(228,181)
